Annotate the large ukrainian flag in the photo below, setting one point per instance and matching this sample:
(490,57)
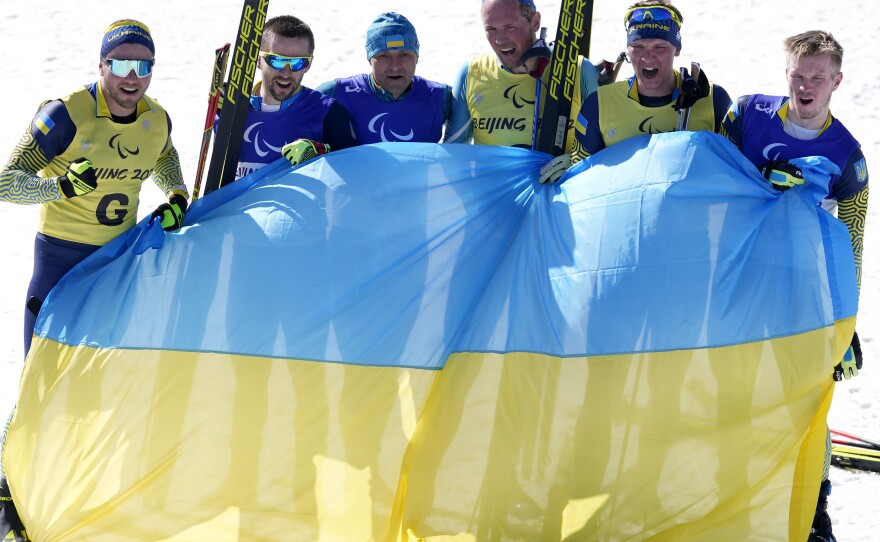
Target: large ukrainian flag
(420,342)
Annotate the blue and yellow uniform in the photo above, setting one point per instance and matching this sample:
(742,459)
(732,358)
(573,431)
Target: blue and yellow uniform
(756,124)
(418,115)
(617,112)
(494,106)
(124,151)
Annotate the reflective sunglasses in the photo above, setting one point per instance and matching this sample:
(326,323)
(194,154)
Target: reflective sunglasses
(651,13)
(121,68)
(278,62)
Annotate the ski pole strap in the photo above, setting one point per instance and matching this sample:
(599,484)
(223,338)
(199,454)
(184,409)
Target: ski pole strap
(541,53)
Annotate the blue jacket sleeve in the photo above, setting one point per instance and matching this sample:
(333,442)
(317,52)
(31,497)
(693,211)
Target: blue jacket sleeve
(328,88)
(732,125)
(587,130)
(459,128)
(338,129)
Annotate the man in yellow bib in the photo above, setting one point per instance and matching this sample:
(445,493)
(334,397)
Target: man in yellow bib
(84,158)
(494,95)
(646,103)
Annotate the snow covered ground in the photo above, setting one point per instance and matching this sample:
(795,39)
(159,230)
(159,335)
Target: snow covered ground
(51,47)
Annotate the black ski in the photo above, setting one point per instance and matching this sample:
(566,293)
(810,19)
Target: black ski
(243,67)
(586,31)
(855,457)
(563,76)
(852,452)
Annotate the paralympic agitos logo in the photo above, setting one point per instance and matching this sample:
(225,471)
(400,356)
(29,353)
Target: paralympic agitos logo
(123,151)
(646,127)
(517,101)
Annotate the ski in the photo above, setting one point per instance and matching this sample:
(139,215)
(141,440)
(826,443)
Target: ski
(586,31)
(243,67)
(219,72)
(563,76)
(854,457)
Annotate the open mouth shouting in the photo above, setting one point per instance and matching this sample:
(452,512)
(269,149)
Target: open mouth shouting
(510,57)
(650,73)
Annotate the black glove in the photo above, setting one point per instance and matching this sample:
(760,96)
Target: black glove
(852,361)
(172,213)
(782,175)
(694,85)
(79,180)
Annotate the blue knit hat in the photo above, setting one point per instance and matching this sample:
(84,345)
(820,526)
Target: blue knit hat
(391,31)
(127,31)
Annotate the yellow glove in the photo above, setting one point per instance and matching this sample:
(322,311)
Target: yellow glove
(303,150)
(852,361)
(172,213)
(782,175)
(79,180)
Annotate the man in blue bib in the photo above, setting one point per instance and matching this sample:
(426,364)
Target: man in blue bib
(770,130)
(392,103)
(283,113)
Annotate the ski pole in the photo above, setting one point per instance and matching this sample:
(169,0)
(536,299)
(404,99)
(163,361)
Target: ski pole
(839,437)
(217,76)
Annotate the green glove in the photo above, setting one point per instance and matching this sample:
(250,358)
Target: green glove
(172,213)
(303,150)
(79,180)
(782,175)
(852,361)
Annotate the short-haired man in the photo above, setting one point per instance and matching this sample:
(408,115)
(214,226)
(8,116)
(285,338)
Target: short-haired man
(392,103)
(646,102)
(770,130)
(84,158)
(494,94)
(282,111)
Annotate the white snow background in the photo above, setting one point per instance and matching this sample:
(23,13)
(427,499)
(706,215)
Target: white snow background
(48,48)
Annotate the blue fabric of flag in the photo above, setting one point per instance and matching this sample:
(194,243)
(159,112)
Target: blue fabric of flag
(410,252)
